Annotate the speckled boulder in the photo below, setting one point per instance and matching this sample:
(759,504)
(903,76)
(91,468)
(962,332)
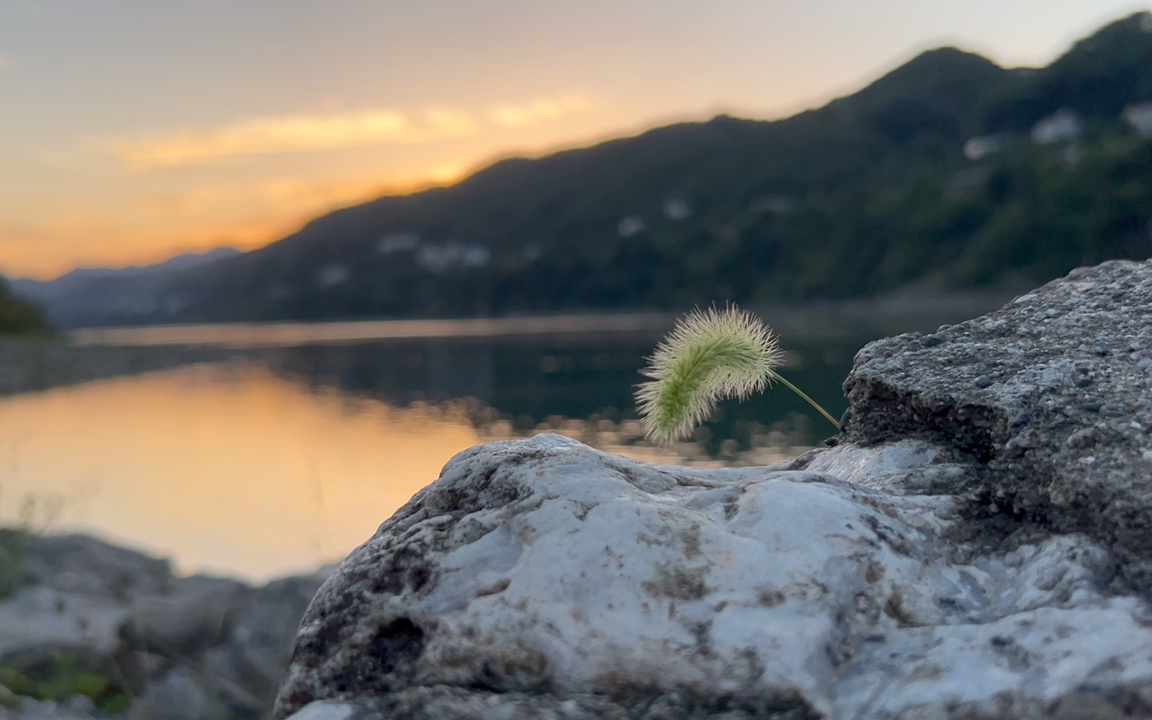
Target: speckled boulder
(1052,393)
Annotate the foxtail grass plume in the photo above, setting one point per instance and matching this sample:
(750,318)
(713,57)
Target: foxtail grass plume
(710,355)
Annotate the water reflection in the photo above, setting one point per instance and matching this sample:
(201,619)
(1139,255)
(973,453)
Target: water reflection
(530,384)
(229,469)
(237,469)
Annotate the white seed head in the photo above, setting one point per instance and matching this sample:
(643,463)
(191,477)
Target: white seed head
(709,355)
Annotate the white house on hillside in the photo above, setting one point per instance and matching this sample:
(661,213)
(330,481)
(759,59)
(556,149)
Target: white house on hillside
(1139,117)
(981,147)
(1061,126)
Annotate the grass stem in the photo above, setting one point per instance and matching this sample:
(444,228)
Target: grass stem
(808,400)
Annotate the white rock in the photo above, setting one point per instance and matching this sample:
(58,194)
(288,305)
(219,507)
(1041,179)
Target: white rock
(543,566)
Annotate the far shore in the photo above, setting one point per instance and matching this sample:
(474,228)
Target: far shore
(84,354)
(892,314)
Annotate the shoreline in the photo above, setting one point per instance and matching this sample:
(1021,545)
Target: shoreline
(86,354)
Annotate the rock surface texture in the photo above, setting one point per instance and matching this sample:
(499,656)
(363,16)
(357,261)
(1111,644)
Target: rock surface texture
(1052,394)
(978,546)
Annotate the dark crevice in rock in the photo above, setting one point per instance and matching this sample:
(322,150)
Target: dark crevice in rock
(528,673)
(676,705)
(406,569)
(884,413)
(397,646)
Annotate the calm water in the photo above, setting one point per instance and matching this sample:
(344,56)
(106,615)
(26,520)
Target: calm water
(275,459)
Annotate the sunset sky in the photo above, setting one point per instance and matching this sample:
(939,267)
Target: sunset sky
(132,130)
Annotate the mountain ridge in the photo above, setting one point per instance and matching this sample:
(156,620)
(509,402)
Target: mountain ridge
(111,289)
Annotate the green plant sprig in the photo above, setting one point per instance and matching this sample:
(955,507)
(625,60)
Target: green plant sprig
(708,356)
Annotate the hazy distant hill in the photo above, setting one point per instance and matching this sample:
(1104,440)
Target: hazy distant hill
(868,193)
(91,295)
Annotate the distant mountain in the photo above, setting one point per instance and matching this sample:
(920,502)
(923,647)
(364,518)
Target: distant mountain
(1097,78)
(929,175)
(87,294)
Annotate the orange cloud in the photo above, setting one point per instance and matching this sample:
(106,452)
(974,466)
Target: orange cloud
(291,193)
(539,110)
(310,133)
(288,134)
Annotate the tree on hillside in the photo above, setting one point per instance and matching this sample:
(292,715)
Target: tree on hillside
(18,317)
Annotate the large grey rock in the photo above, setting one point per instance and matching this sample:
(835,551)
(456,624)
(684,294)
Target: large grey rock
(958,555)
(194,615)
(1052,394)
(73,594)
(78,594)
(82,565)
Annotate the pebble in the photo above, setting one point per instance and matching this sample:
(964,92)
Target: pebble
(1085,438)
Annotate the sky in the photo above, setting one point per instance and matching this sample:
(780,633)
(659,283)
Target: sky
(134,130)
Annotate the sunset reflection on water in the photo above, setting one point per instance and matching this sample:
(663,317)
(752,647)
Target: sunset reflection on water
(232,469)
(228,470)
